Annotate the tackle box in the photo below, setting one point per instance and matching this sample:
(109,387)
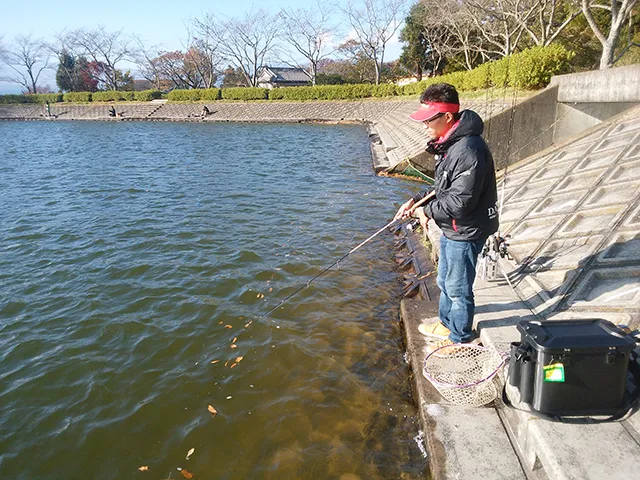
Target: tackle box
(572,367)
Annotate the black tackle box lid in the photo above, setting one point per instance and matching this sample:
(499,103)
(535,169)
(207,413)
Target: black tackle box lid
(587,334)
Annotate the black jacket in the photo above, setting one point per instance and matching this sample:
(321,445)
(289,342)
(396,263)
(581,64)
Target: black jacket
(465,205)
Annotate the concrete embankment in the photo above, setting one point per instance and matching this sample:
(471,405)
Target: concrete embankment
(572,213)
(396,141)
(368,111)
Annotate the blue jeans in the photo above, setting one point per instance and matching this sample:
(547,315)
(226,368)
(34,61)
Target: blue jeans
(456,273)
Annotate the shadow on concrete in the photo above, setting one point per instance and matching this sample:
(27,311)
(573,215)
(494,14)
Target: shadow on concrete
(557,300)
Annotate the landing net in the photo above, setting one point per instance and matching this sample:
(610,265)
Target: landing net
(465,374)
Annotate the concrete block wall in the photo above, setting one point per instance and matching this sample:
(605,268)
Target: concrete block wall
(588,98)
(523,129)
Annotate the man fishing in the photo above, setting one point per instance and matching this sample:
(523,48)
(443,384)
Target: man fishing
(464,207)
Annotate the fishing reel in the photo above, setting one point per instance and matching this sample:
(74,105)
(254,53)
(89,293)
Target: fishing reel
(494,248)
(412,224)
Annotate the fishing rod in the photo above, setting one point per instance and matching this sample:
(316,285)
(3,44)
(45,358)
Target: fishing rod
(362,244)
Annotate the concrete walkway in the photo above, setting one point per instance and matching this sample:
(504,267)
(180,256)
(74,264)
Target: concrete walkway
(498,441)
(573,216)
(462,443)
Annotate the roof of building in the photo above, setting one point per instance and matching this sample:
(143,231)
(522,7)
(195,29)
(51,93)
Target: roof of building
(283,74)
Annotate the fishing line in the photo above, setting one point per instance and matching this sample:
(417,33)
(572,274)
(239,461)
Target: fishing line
(353,250)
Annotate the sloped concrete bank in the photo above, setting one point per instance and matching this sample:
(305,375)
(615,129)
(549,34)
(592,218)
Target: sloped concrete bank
(363,111)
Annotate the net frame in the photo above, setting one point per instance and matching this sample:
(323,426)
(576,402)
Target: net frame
(465,374)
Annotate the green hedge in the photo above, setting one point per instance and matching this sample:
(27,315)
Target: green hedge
(194,95)
(11,98)
(245,93)
(147,95)
(77,97)
(210,94)
(108,96)
(333,92)
(184,95)
(48,97)
(31,98)
(529,69)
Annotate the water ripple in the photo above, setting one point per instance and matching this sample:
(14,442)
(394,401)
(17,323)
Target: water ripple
(135,259)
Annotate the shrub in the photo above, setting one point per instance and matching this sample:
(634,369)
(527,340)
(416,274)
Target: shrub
(184,95)
(147,95)
(77,97)
(31,98)
(290,93)
(113,96)
(535,67)
(48,97)
(333,92)
(329,79)
(108,96)
(385,90)
(11,98)
(529,69)
(358,90)
(245,93)
(210,94)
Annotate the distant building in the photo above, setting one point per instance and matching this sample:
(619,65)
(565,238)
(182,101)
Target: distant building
(274,77)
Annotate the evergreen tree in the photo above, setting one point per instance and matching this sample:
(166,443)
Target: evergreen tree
(233,77)
(125,81)
(415,51)
(65,75)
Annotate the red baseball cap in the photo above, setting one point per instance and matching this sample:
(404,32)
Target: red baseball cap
(431,109)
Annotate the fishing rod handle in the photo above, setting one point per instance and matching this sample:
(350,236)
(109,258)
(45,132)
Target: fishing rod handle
(426,198)
(422,201)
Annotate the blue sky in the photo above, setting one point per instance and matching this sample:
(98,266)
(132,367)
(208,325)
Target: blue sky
(158,22)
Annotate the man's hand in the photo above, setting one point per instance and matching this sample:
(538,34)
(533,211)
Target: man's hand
(422,217)
(405,209)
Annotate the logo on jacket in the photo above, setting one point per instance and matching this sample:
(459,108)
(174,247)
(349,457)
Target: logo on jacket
(493,211)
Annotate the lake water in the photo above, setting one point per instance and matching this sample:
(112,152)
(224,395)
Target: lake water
(132,257)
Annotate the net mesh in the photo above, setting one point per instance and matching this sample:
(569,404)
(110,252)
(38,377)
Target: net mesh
(466,375)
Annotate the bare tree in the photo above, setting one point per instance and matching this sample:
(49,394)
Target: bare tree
(63,50)
(374,24)
(26,59)
(493,22)
(480,30)
(146,59)
(308,31)
(203,58)
(196,67)
(450,31)
(245,42)
(619,11)
(357,67)
(544,20)
(104,48)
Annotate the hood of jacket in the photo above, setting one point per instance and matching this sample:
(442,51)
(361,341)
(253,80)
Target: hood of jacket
(469,124)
